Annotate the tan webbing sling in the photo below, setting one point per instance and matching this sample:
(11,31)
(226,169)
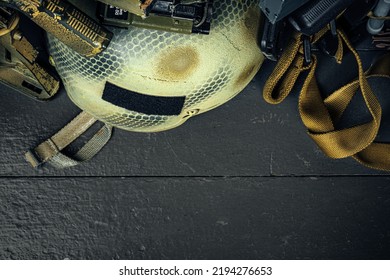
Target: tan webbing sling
(50,151)
(319,116)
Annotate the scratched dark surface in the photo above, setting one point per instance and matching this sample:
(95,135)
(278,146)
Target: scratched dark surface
(241,182)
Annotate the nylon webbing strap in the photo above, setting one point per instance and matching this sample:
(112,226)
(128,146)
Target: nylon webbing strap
(50,150)
(319,116)
(373,16)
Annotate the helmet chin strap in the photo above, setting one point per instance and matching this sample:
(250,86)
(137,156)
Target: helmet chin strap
(50,150)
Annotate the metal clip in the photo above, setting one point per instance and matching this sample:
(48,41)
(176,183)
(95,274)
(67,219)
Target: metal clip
(306,49)
(328,44)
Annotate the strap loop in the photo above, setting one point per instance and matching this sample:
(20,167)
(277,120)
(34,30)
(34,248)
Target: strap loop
(319,116)
(50,150)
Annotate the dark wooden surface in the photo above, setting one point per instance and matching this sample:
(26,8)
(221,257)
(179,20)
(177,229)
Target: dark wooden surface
(242,181)
(194,218)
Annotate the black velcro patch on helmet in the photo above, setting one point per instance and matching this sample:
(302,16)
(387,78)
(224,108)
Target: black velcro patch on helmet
(141,103)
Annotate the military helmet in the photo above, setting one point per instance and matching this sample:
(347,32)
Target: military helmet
(150,80)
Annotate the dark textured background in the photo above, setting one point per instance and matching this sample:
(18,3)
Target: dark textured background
(242,181)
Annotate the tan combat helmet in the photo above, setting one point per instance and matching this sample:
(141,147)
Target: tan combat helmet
(150,80)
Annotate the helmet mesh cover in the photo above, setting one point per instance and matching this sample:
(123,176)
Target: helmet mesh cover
(205,70)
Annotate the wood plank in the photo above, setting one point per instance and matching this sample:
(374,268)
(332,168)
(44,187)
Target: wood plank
(197,218)
(245,137)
